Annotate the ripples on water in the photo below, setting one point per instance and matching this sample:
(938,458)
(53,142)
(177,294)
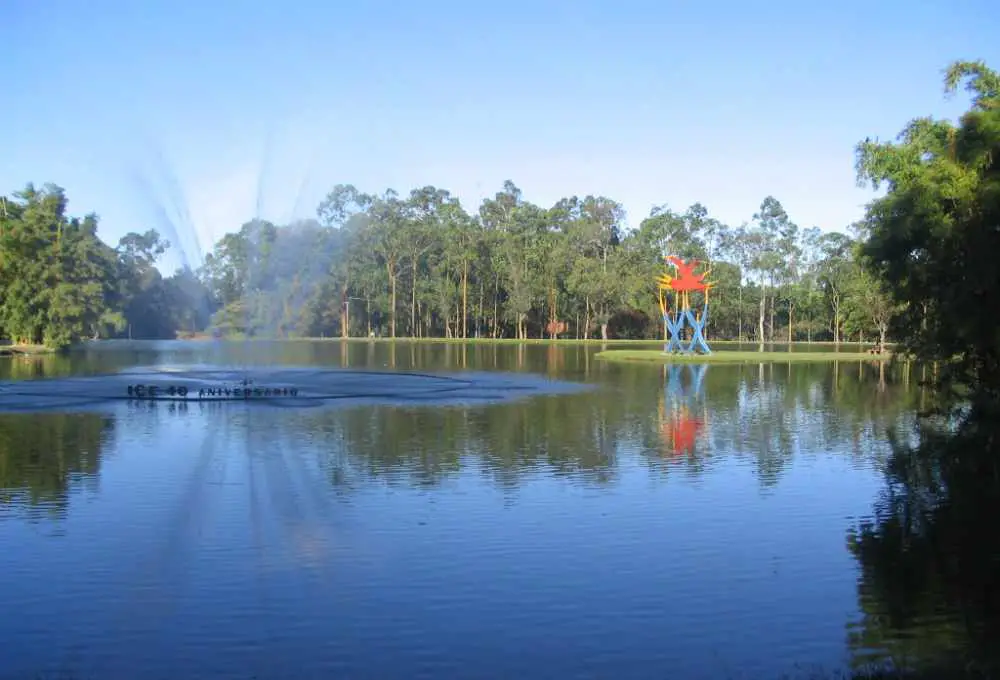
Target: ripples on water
(646,528)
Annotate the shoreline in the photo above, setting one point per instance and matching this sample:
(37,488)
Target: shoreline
(734,357)
(24,350)
(483,341)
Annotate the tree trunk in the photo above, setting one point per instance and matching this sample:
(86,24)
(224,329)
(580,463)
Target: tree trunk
(465,299)
(345,321)
(739,315)
(554,333)
(760,320)
(479,314)
(791,323)
(391,271)
(770,333)
(496,305)
(413,297)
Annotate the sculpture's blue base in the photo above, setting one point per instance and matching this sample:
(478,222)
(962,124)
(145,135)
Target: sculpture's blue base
(676,323)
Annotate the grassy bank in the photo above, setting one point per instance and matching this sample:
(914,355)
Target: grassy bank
(435,341)
(513,341)
(734,357)
(494,341)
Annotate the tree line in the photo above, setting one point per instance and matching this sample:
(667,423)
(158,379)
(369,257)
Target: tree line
(60,283)
(423,266)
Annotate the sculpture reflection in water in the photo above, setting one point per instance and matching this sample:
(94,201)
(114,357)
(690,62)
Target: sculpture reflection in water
(683,409)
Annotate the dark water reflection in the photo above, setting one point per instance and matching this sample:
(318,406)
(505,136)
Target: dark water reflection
(672,523)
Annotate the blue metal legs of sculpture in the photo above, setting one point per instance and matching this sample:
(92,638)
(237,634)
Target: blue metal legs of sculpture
(679,393)
(675,323)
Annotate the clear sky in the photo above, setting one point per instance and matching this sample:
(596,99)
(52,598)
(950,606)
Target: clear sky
(258,108)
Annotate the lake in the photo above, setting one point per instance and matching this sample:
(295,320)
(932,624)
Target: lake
(688,522)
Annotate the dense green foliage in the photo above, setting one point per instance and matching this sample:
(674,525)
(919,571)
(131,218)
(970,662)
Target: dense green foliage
(423,266)
(59,283)
(934,544)
(936,233)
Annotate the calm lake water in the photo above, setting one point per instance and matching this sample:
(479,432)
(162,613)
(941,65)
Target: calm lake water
(686,523)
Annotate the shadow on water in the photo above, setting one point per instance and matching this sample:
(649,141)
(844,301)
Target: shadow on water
(930,555)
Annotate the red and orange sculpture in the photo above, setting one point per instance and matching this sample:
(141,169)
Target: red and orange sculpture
(675,296)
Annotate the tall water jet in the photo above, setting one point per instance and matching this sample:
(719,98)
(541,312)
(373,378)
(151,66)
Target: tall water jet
(285,264)
(171,212)
(247,245)
(164,206)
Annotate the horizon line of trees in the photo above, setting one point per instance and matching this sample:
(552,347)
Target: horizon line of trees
(422,266)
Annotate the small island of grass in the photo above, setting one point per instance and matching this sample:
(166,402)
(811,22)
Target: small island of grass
(735,357)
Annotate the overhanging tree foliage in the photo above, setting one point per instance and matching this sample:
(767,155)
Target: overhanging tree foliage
(933,545)
(934,236)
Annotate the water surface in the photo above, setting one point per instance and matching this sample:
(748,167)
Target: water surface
(689,522)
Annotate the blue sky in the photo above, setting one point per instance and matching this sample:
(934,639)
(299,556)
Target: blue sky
(259,108)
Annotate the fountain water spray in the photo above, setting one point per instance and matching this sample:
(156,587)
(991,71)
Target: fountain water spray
(171,197)
(270,386)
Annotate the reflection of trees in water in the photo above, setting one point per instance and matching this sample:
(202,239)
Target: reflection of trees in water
(562,436)
(42,456)
(32,367)
(929,586)
(768,414)
(765,413)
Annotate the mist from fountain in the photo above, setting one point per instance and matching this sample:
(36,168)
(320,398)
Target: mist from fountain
(164,200)
(169,209)
(290,264)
